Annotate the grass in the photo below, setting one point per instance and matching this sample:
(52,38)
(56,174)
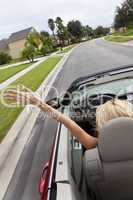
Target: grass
(7,73)
(121,37)
(67,49)
(129,32)
(32,80)
(14,61)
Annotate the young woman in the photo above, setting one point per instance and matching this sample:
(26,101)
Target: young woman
(109,110)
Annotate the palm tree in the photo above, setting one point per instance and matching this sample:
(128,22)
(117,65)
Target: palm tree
(58,21)
(60,30)
(51,25)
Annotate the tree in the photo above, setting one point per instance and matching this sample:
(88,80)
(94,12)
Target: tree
(101,31)
(88,31)
(34,40)
(60,31)
(4,58)
(106,31)
(117,22)
(130,12)
(51,25)
(75,28)
(124,15)
(29,52)
(67,35)
(47,43)
(44,34)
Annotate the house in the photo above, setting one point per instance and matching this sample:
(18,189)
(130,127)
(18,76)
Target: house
(15,44)
(122,29)
(112,30)
(4,46)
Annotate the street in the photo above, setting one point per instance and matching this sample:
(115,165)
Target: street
(87,58)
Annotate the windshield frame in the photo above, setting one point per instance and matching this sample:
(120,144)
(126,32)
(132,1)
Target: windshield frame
(91,78)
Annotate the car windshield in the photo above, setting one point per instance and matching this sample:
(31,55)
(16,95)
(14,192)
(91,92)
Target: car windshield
(116,87)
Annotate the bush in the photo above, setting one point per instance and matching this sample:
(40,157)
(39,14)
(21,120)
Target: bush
(4,58)
(29,53)
(47,48)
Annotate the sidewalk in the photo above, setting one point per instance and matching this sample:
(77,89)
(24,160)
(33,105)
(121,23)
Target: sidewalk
(20,63)
(130,43)
(19,74)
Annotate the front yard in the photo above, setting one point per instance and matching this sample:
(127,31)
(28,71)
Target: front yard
(121,37)
(7,73)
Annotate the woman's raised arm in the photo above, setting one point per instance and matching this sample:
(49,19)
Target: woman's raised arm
(84,138)
(31,98)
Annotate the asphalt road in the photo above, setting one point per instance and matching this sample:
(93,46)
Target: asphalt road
(89,57)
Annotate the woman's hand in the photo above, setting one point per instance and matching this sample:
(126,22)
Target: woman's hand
(23,98)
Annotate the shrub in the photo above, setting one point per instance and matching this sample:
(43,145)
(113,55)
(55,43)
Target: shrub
(4,58)
(29,53)
(45,49)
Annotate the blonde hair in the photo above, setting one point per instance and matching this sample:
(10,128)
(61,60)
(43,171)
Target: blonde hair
(113,109)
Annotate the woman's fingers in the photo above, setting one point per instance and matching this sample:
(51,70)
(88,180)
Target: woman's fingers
(9,95)
(18,100)
(18,97)
(23,97)
(11,92)
(10,99)
(15,93)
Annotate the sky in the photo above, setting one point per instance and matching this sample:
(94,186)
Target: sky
(17,15)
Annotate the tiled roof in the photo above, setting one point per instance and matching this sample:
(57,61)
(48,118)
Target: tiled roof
(19,35)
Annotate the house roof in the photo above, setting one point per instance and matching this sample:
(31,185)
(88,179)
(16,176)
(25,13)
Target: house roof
(19,35)
(3,45)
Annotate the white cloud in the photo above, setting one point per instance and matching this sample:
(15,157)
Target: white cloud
(18,14)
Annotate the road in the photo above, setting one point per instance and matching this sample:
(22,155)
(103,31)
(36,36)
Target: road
(89,57)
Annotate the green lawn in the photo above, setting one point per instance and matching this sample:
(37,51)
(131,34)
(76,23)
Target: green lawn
(121,37)
(14,61)
(129,32)
(7,73)
(32,80)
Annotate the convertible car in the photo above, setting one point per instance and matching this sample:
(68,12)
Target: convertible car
(102,173)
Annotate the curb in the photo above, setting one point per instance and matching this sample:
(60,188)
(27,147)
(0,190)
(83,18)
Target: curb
(13,144)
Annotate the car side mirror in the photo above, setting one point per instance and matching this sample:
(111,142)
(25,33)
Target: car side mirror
(58,102)
(54,103)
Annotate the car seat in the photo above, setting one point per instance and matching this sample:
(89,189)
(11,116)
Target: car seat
(108,168)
